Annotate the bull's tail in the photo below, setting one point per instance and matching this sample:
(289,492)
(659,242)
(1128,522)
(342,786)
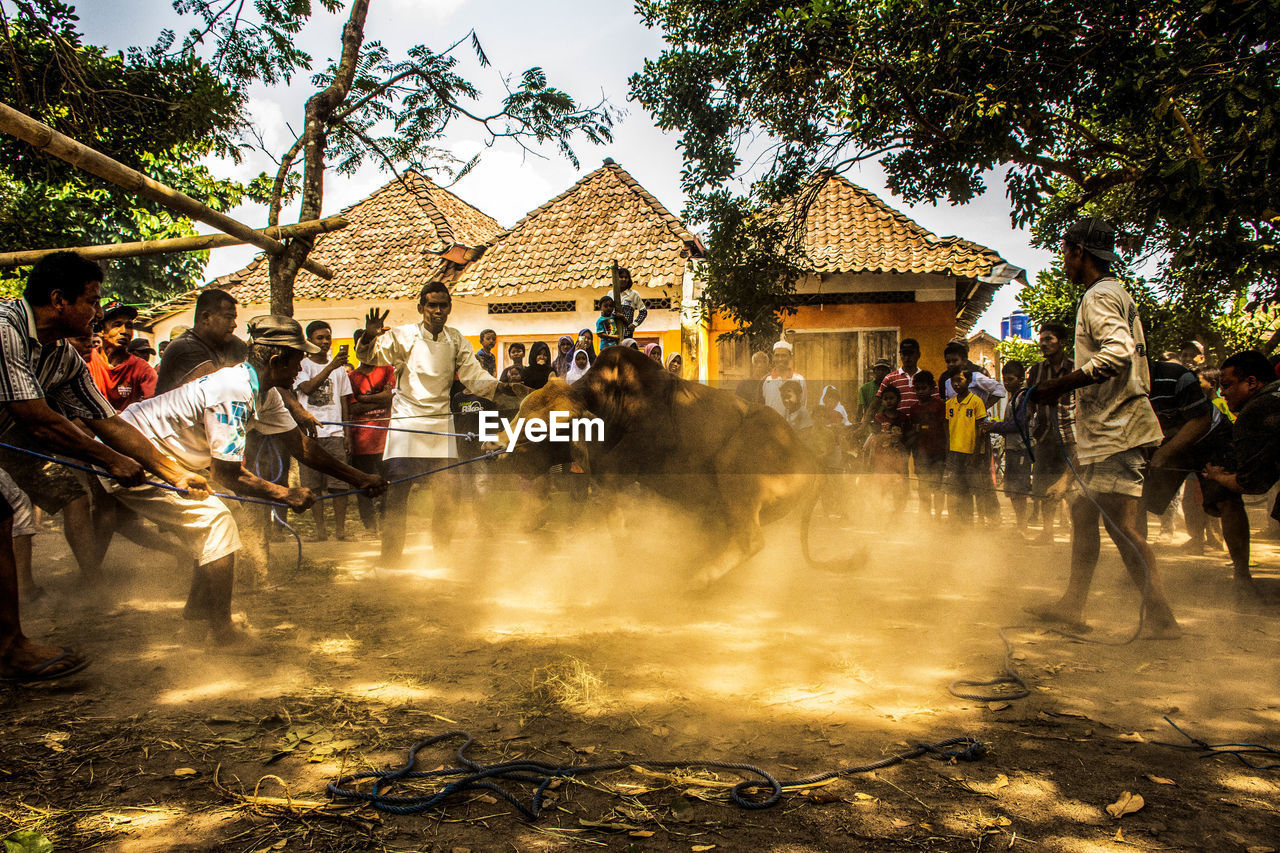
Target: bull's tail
(806,520)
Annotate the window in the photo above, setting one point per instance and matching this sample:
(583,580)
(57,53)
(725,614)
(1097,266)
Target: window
(545,307)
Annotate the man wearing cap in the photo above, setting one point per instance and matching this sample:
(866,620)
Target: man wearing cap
(142,348)
(204,424)
(427,356)
(1116,429)
(119,374)
(867,393)
(783,357)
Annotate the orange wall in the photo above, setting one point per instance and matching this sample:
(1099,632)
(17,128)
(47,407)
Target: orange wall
(933,324)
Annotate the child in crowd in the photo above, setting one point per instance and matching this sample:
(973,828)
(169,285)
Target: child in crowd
(607,328)
(927,440)
(830,428)
(1210,378)
(581,362)
(966,426)
(885,449)
(797,415)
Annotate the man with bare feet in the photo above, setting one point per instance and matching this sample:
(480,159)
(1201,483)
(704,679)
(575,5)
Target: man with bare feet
(1116,430)
(43,384)
(204,424)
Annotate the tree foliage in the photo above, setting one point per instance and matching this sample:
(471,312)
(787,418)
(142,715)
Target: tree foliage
(372,107)
(1162,115)
(160,115)
(1223,329)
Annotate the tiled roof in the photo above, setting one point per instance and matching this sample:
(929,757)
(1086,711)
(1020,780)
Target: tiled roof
(849,229)
(391,247)
(570,241)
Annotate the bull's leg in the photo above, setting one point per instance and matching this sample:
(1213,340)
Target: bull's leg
(746,539)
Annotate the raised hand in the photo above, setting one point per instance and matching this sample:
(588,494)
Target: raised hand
(375,323)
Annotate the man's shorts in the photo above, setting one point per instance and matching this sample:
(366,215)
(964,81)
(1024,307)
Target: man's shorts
(1118,474)
(49,485)
(24,521)
(207,526)
(968,472)
(317,481)
(1017,472)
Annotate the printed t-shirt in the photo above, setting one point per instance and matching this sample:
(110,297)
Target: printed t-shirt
(962,422)
(209,418)
(325,402)
(606,326)
(371,441)
(128,382)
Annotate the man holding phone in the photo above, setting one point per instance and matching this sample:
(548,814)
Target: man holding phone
(324,390)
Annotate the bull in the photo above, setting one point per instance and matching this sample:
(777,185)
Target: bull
(731,464)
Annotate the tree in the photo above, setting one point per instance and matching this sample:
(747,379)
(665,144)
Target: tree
(1162,116)
(161,115)
(371,107)
(1223,329)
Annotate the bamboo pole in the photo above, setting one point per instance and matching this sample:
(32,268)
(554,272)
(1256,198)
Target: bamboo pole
(197,243)
(44,138)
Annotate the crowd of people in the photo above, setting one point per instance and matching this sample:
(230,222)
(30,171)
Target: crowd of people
(1095,424)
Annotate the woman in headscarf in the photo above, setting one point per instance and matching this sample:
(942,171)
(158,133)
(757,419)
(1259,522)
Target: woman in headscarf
(654,352)
(631,342)
(581,362)
(587,342)
(564,357)
(539,368)
(833,409)
(675,364)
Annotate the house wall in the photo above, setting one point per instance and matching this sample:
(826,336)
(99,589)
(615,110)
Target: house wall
(930,319)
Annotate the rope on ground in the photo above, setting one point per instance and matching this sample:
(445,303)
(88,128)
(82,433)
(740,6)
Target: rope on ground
(472,776)
(1239,750)
(1016,687)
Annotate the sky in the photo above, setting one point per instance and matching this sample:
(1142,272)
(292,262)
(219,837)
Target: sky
(588,48)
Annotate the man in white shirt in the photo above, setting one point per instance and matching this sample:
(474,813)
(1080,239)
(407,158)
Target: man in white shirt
(783,356)
(426,357)
(203,425)
(324,390)
(1116,429)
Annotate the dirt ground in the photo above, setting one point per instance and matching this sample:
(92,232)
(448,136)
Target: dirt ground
(578,646)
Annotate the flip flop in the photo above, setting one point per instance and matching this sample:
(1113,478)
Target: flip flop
(1046,614)
(42,673)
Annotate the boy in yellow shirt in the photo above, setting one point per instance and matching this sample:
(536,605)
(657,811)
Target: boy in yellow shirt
(966,427)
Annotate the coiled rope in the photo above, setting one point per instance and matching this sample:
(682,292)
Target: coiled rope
(471,776)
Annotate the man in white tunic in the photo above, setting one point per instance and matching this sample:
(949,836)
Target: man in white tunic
(426,357)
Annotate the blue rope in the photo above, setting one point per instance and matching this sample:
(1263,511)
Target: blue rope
(473,776)
(470,435)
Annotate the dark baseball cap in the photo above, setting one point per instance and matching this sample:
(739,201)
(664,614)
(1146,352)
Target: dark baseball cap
(1097,236)
(278,330)
(882,362)
(138,346)
(116,308)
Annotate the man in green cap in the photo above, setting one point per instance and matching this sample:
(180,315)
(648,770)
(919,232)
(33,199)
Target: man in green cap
(203,425)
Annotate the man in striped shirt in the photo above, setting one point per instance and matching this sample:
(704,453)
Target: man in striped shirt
(43,385)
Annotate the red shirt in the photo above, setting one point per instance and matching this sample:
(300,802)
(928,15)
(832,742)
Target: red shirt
(900,380)
(929,422)
(371,441)
(128,382)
